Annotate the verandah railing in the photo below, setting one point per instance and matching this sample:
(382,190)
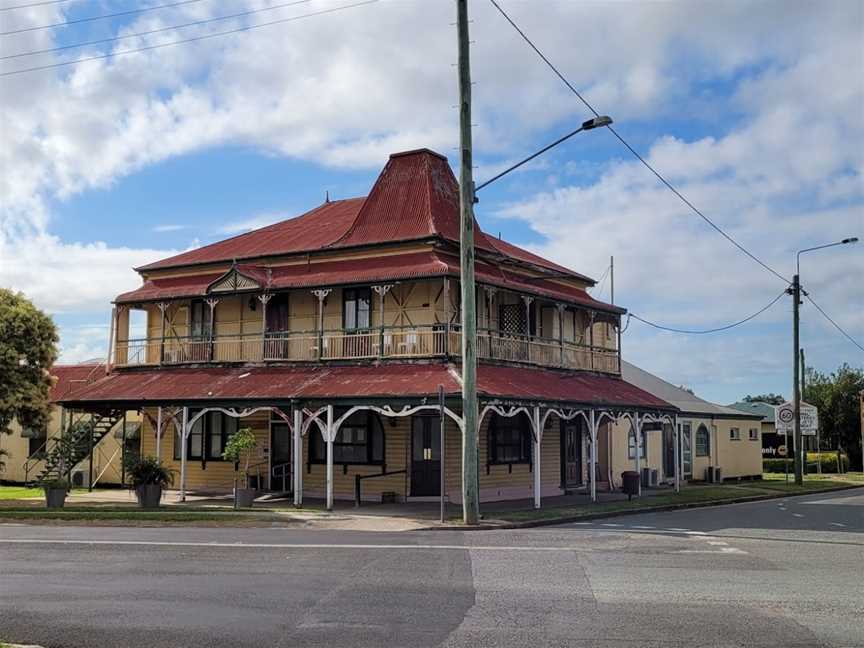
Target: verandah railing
(389,342)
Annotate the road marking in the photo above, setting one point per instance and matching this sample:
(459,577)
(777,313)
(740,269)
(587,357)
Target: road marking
(613,525)
(695,533)
(271,545)
(723,551)
(676,529)
(719,543)
(798,515)
(639,526)
(838,524)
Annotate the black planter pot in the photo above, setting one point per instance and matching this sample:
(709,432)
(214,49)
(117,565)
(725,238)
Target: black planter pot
(244,497)
(55,497)
(149,495)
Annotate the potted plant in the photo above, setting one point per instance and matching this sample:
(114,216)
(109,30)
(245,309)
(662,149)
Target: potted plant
(238,447)
(148,477)
(55,492)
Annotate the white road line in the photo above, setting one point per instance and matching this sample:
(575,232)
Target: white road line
(268,545)
(695,533)
(798,515)
(639,526)
(613,525)
(676,529)
(719,543)
(724,551)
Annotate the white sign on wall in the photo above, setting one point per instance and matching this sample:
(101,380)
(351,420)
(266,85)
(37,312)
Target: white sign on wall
(784,419)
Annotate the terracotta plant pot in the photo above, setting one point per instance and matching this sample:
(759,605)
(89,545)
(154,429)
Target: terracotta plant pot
(149,495)
(55,497)
(244,497)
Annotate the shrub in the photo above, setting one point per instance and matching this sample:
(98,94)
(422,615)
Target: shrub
(828,461)
(144,471)
(241,444)
(57,483)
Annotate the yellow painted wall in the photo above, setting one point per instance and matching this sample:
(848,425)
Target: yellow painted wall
(106,457)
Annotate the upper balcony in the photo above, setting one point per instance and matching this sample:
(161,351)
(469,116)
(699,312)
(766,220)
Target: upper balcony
(406,321)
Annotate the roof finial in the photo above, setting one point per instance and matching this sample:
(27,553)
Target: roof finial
(327,196)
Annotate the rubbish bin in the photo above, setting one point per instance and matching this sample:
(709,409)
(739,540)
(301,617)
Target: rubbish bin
(630,483)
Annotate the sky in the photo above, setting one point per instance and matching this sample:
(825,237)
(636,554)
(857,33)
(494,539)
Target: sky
(754,110)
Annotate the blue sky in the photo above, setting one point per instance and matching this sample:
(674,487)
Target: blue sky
(751,109)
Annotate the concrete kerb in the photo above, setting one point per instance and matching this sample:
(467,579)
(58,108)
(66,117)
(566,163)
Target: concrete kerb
(565,519)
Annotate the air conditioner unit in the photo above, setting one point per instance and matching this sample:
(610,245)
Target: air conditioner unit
(718,475)
(79,478)
(646,477)
(654,477)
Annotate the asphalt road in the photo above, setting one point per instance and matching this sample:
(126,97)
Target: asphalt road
(787,573)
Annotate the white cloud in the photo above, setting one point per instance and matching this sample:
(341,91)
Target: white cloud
(784,165)
(169,227)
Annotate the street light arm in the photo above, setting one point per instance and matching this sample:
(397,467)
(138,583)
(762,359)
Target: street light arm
(845,241)
(596,122)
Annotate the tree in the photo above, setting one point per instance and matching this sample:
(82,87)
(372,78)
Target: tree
(28,349)
(771,399)
(836,397)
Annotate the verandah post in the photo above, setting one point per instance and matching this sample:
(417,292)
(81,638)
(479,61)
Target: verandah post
(538,437)
(296,456)
(593,424)
(158,433)
(330,438)
(677,456)
(183,454)
(638,434)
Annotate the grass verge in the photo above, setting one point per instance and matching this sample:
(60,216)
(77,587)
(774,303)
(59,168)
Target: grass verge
(17,493)
(132,516)
(689,496)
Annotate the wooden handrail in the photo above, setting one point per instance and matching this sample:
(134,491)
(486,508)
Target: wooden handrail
(360,478)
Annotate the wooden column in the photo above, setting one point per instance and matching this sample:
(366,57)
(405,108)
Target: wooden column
(538,439)
(591,337)
(561,308)
(212,304)
(297,456)
(264,299)
(381,291)
(321,295)
(593,424)
(162,306)
(331,434)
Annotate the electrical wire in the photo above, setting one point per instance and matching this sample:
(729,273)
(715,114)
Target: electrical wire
(112,39)
(33,4)
(713,330)
(602,280)
(633,151)
(836,325)
(76,21)
(187,40)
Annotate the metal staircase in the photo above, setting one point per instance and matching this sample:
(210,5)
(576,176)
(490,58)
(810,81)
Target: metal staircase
(74,446)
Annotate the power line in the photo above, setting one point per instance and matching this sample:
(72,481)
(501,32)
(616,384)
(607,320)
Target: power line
(112,39)
(836,325)
(33,4)
(633,151)
(187,40)
(76,21)
(713,330)
(603,280)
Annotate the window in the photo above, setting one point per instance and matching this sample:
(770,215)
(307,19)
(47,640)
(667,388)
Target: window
(631,444)
(509,439)
(360,441)
(355,308)
(208,436)
(36,446)
(754,434)
(199,319)
(703,442)
(735,434)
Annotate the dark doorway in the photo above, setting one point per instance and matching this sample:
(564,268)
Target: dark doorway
(280,457)
(425,456)
(668,451)
(571,454)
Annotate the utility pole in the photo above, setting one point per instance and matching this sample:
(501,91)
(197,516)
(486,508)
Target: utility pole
(470,485)
(796,384)
(611,279)
(818,445)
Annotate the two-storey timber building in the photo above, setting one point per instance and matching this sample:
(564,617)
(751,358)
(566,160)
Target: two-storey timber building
(330,334)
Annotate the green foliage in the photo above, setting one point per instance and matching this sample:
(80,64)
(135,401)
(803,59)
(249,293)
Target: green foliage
(240,445)
(836,396)
(28,348)
(771,399)
(144,471)
(828,460)
(56,483)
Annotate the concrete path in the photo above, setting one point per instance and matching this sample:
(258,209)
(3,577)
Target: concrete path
(775,573)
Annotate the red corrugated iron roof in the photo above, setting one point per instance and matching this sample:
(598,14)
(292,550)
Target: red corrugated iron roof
(397,267)
(69,378)
(415,197)
(176,385)
(314,230)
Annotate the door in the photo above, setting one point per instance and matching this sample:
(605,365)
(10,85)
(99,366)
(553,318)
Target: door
(276,345)
(425,456)
(571,454)
(686,451)
(668,451)
(280,457)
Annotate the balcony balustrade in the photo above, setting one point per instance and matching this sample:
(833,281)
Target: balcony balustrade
(367,344)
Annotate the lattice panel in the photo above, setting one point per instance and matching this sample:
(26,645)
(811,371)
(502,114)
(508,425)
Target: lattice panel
(512,318)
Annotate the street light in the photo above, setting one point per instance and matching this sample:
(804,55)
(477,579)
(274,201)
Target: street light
(796,385)
(596,122)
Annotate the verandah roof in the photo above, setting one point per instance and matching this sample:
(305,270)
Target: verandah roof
(137,388)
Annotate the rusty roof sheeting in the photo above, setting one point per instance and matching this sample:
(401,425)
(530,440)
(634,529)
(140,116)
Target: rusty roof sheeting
(174,385)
